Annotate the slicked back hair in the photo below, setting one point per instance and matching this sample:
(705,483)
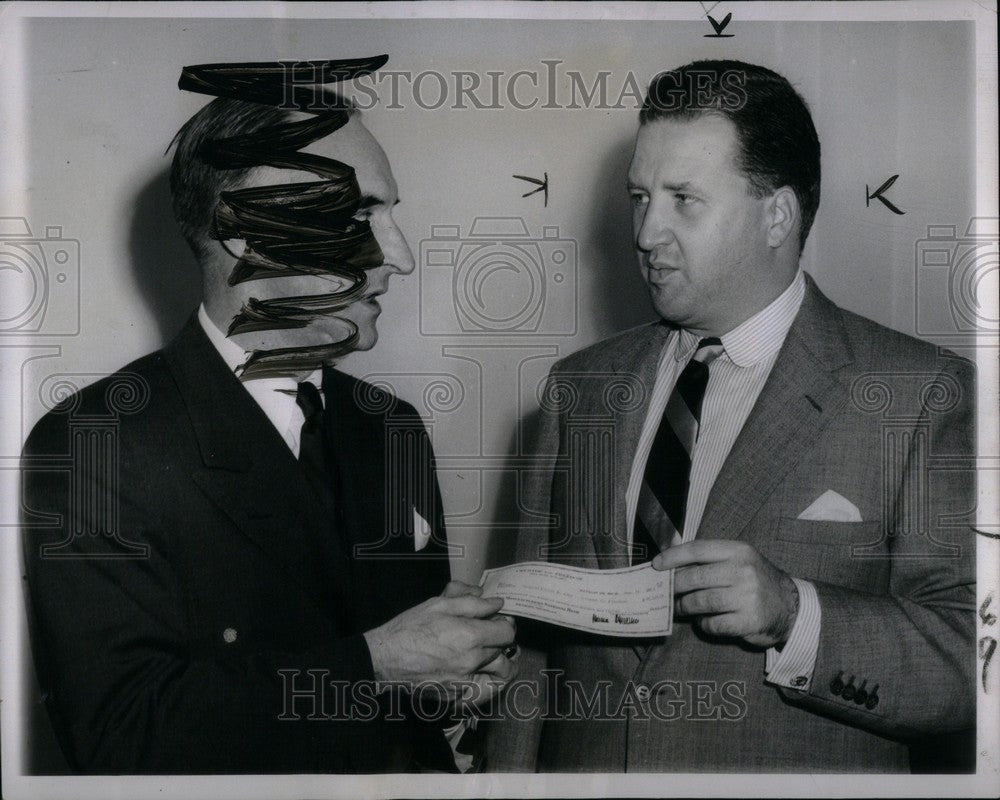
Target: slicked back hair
(777,140)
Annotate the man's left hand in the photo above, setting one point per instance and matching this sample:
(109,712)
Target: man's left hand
(731,590)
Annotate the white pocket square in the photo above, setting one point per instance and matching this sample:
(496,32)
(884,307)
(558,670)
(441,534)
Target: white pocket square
(421,532)
(832,507)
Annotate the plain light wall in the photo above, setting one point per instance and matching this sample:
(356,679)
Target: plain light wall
(887,98)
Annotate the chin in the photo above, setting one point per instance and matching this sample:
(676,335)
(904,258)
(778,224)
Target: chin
(366,339)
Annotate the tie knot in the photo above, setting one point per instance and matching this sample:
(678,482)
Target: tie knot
(308,399)
(709,349)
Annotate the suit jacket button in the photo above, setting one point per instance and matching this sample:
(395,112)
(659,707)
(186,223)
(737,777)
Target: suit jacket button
(872,700)
(837,685)
(229,635)
(849,690)
(643,692)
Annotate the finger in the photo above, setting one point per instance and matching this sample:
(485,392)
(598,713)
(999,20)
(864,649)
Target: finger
(706,601)
(460,589)
(474,607)
(495,633)
(500,669)
(720,625)
(703,576)
(700,551)
(507,618)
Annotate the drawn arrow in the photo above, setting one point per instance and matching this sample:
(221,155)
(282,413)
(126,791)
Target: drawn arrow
(719,27)
(543,186)
(877,195)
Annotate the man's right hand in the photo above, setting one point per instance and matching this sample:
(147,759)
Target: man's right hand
(445,640)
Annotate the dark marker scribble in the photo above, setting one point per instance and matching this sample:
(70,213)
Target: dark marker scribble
(305,228)
(291,362)
(276,83)
(289,312)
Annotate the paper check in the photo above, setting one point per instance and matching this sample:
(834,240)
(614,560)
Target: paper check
(632,601)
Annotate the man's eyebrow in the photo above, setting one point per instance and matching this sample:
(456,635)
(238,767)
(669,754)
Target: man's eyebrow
(683,186)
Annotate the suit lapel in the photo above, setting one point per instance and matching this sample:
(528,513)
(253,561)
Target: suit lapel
(798,400)
(357,441)
(639,362)
(249,472)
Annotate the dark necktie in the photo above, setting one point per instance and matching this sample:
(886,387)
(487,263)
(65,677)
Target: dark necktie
(659,518)
(312,447)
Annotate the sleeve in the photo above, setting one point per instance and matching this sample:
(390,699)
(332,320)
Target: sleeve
(125,692)
(792,666)
(902,664)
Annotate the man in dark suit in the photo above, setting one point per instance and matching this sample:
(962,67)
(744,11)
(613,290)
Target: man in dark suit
(232,572)
(771,448)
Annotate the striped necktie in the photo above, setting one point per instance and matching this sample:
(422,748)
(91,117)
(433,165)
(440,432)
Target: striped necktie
(659,518)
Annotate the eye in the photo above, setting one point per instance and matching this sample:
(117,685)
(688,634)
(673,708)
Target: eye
(638,198)
(683,199)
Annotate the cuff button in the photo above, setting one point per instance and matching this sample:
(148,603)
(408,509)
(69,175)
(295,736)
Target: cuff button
(837,685)
(800,680)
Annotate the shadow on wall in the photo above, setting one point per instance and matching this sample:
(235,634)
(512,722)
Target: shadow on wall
(616,300)
(169,282)
(163,265)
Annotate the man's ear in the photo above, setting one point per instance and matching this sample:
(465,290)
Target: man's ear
(783,217)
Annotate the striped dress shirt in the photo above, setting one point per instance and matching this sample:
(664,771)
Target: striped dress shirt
(735,380)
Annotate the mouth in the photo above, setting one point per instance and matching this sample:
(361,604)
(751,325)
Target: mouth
(659,272)
(372,298)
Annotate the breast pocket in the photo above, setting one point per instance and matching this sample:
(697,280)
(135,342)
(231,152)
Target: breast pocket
(850,554)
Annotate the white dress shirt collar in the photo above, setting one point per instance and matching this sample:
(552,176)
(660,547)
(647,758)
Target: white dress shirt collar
(275,396)
(758,338)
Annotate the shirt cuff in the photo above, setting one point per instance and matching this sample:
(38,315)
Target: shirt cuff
(793,666)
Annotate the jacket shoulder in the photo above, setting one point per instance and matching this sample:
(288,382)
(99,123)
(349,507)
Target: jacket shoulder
(127,393)
(877,347)
(370,398)
(602,354)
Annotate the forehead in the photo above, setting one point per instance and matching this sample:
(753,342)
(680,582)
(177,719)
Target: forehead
(354,145)
(678,150)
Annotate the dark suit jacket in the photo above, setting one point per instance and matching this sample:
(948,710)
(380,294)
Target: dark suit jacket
(882,419)
(183,580)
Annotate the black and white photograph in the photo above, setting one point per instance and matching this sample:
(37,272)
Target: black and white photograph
(501,399)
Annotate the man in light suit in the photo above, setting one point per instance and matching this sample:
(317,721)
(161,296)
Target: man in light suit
(773,450)
(202,599)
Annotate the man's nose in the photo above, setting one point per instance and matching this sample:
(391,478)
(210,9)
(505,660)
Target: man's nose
(654,229)
(398,256)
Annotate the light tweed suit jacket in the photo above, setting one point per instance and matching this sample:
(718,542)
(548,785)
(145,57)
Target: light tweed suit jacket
(882,419)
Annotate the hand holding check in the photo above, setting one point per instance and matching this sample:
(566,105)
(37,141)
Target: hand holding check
(731,590)
(450,640)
